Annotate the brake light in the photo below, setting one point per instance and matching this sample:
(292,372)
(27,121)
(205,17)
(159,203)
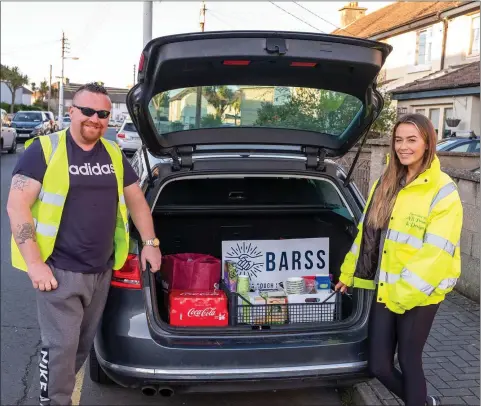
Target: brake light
(129,276)
(120,135)
(141,62)
(236,63)
(304,64)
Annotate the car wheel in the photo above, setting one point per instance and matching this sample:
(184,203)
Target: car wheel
(13,149)
(97,374)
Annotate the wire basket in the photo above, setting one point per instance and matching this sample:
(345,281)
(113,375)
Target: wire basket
(242,312)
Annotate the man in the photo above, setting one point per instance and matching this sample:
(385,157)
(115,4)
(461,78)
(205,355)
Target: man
(68,212)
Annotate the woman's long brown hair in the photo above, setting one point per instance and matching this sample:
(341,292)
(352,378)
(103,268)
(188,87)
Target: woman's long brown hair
(385,195)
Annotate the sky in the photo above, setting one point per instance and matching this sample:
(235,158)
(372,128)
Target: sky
(107,37)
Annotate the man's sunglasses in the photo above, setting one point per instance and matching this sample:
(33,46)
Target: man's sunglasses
(87,111)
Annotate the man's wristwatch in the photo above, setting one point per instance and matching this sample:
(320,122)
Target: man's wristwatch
(153,242)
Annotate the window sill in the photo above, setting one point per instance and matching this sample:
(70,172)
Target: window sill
(419,68)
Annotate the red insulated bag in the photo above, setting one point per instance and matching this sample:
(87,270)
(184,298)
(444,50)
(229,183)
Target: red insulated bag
(190,272)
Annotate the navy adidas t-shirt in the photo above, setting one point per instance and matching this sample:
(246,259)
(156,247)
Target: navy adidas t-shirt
(85,238)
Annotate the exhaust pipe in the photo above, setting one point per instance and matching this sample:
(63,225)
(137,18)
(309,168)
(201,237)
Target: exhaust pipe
(166,392)
(149,390)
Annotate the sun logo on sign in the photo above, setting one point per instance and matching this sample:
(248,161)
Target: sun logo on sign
(246,256)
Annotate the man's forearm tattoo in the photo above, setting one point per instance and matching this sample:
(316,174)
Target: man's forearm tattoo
(20,182)
(25,232)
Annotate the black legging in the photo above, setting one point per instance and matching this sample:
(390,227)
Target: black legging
(410,332)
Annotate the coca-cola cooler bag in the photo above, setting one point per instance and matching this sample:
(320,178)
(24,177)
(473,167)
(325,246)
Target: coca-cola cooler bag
(197,308)
(190,272)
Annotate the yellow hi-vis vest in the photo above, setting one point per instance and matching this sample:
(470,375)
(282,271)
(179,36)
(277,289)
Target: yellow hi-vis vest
(47,209)
(420,260)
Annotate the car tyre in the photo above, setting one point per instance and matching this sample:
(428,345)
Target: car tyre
(13,148)
(97,374)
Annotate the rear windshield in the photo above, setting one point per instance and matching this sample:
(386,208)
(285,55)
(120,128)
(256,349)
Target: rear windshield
(28,117)
(297,108)
(130,127)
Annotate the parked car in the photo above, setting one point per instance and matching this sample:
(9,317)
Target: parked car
(266,178)
(53,122)
(29,124)
(459,144)
(128,138)
(8,139)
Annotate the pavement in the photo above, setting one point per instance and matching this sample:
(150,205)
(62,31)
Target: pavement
(21,340)
(451,358)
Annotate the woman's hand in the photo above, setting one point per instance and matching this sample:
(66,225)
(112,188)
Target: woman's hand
(341,286)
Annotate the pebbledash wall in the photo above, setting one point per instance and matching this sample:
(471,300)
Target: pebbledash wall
(459,167)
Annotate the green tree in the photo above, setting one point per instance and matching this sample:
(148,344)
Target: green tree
(14,80)
(386,120)
(309,109)
(210,121)
(34,86)
(43,89)
(220,97)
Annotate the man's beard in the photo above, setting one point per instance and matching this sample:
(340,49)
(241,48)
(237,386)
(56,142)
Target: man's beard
(90,134)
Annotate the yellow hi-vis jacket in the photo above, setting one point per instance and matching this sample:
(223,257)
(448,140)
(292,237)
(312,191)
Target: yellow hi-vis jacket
(420,260)
(47,209)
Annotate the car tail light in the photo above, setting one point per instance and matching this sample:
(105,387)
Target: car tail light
(120,135)
(304,64)
(236,63)
(130,275)
(141,62)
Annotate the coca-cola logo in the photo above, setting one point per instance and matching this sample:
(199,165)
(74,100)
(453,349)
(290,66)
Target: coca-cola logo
(207,312)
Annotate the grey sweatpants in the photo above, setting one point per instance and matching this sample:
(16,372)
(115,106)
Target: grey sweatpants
(68,317)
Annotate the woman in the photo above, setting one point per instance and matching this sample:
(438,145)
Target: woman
(407,248)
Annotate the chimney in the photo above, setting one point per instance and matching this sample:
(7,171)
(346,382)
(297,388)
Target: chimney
(351,12)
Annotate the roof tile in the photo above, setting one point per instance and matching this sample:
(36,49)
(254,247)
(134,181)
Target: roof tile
(393,16)
(465,76)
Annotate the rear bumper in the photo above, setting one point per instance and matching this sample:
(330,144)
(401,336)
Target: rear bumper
(129,145)
(225,380)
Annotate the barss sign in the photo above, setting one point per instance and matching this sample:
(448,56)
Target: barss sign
(268,262)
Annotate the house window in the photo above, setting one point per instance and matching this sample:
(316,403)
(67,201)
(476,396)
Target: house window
(474,46)
(420,111)
(401,111)
(425,40)
(434,115)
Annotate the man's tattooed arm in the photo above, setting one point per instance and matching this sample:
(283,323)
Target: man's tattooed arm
(24,191)
(20,182)
(24,233)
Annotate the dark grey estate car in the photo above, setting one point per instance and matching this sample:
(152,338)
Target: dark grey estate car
(254,121)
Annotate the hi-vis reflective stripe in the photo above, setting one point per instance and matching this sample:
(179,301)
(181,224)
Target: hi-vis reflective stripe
(354,249)
(51,198)
(122,199)
(423,286)
(445,191)
(448,283)
(45,229)
(54,138)
(403,238)
(440,242)
(416,281)
(388,277)
(362,218)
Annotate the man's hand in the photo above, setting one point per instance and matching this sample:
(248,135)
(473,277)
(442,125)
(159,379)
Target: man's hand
(42,277)
(153,256)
